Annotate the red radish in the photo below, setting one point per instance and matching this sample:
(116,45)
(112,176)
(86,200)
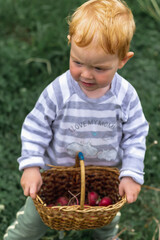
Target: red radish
(105,201)
(62,201)
(93,198)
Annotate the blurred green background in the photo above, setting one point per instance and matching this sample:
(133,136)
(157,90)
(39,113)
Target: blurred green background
(33,51)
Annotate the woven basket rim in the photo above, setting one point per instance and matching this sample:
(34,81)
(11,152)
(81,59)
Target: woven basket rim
(62,168)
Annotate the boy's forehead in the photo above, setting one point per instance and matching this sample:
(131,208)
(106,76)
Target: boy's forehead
(91,54)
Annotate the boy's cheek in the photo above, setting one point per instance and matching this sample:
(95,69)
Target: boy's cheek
(74,72)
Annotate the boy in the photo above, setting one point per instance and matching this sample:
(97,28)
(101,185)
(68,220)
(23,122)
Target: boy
(91,109)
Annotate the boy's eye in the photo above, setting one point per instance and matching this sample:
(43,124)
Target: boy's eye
(76,62)
(98,69)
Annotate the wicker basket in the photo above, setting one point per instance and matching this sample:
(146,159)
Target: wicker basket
(61,181)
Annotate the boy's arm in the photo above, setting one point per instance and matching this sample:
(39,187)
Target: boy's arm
(133,144)
(37,132)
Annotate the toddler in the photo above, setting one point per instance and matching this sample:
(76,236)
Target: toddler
(90,108)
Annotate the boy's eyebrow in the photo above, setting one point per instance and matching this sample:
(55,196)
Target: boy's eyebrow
(101,65)
(75,58)
(71,55)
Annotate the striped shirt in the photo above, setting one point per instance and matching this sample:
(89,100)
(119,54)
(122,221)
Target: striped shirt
(109,131)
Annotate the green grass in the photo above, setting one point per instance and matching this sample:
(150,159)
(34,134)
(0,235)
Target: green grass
(38,29)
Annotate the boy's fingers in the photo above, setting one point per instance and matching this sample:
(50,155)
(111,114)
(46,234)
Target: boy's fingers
(39,187)
(33,192)
(121,191)
(131,198)
(26,191)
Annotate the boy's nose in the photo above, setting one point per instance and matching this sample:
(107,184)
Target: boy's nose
(86,73)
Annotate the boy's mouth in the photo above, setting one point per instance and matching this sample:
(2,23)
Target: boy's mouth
(87,84)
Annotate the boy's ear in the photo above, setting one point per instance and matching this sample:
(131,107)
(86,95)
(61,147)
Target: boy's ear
(125,59)
(69,38)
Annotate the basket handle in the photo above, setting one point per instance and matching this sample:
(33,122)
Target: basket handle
(81,158)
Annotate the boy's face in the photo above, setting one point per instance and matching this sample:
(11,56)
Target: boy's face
(93,69)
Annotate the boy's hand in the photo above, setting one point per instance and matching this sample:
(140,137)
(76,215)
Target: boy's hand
(129,188)
(31,181)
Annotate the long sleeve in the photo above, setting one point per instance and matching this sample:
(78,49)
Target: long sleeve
(135,130)
(36,130)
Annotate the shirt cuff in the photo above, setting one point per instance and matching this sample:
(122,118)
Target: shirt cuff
(137,177)
(34,161)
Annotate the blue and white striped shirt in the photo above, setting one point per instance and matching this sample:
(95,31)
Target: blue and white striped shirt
(110,130)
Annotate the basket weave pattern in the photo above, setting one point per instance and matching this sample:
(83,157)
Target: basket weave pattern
(57,181)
